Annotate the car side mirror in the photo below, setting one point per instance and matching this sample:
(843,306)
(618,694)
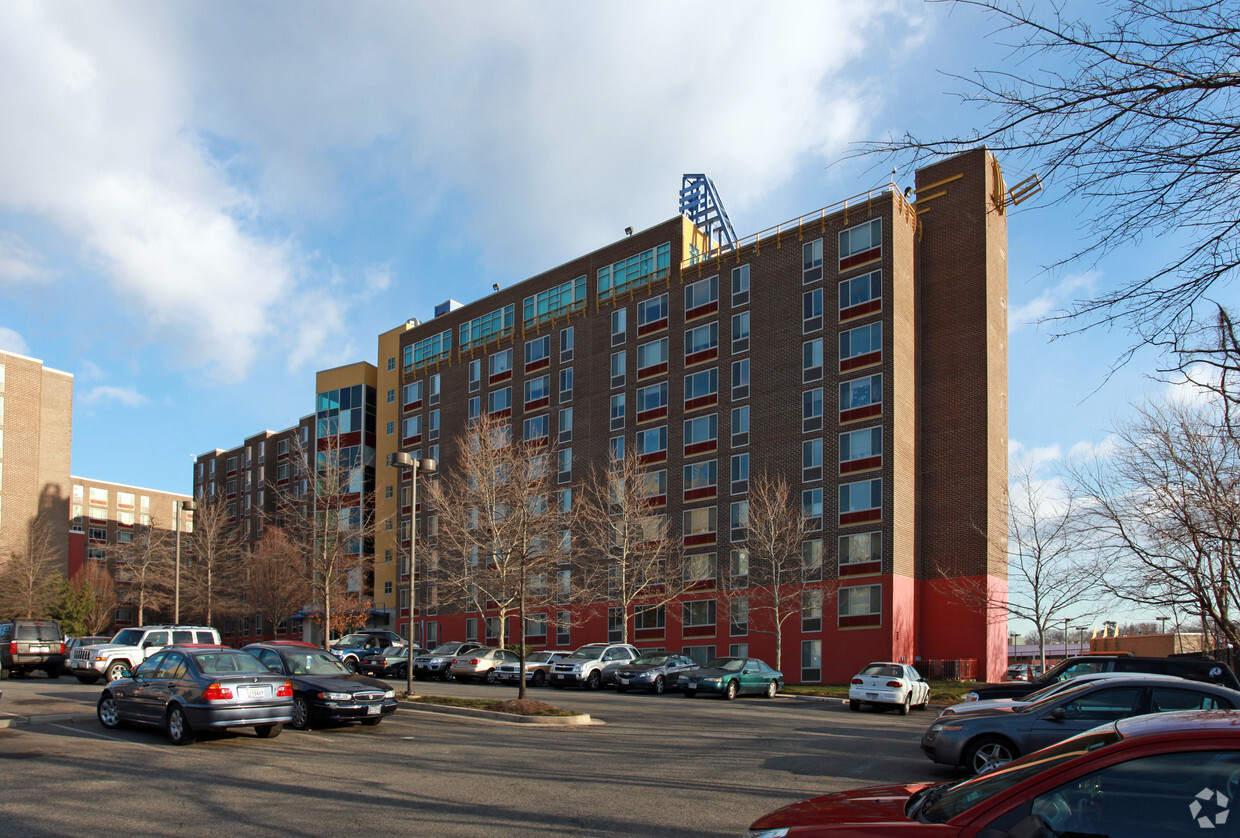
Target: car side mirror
(125,673)
(1028,827)
(1058,714)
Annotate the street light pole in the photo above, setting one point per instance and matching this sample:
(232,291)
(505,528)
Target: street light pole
(402,461)
(185,506)
(1080,639)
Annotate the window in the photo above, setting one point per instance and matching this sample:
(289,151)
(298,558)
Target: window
(740,426)
(499,400)
(811,658)
(652,401)
(412,397)
(861,295)
(811,610)
(740,379)
(432,424)
(811,311)
(474,407)
(475,375)
(433,390)
(702,297)
(617,369)
(566,424)
(811,508)
(701,388)
(428,351)
(811,410)
(391,395)
(653,487)
(652,443)
(700,525)
(481,330)
(861,501)
(391,428)
(649,618)
(536,625)
(740,520)
(635,272)
(738,616)
(563,621)
(811,560)
(860,601)
(861,398)
(546,306)
(861,244)
(566,344)
(811,360)
(652,315)
(617,411)
(566,384)
(391,364)
(619,327)
(564,465)
(861,346)
(410,428)
(471,629)
(860,553)
(499,365)
(740,474)
(811,261)
(811,460)
(652,358)
(699,613)
(740,332)
(615,448)
(700,568)
(538,352)
(700,655)
(860,450)
(701,434)
(739,568)
(700,480)
(537,392)
(702,343)
(740,285)
(535,428)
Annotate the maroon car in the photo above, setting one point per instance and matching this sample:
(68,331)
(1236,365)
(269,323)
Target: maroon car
(1167,774)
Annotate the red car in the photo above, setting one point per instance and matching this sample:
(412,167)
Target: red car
(1166,774)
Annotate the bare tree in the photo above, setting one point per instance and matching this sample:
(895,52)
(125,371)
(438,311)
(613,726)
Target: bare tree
(101,611)
(277,582)
(144,569)
(623,543)
(1138,117)
(30,578)
(776,526)
(501,525)
(211,564)
(1167,511)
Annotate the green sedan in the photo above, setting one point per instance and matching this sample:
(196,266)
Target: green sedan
(729,677)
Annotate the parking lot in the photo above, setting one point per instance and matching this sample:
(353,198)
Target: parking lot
(658,765)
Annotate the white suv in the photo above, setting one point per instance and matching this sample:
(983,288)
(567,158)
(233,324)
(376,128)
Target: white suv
(592,666)
(130,647)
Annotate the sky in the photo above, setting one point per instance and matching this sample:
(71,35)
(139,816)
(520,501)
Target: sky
(203,203)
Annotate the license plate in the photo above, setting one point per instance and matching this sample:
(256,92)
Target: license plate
(39,650)
(252,692)
(871,695)
(623,680)
(373,710)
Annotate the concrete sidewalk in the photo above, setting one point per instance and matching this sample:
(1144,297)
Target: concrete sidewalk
(29,701)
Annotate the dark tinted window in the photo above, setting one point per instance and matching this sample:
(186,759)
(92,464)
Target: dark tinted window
(1169,699)
(1106,705)
(47,632)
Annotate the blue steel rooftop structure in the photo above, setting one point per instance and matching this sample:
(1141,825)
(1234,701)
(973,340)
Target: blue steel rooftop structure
(699,202)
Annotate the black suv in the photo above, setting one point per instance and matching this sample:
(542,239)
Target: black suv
(1194,669)
(27,645)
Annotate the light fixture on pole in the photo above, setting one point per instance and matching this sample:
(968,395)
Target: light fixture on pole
(1162,624)
(1080,639)
(404,462)
(185,506)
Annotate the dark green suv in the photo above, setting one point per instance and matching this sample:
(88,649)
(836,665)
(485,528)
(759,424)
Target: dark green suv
(27,645)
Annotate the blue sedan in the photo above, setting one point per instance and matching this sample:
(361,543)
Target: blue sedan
(730,677)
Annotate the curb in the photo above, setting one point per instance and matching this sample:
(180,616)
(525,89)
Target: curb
(7,721)
(502,718)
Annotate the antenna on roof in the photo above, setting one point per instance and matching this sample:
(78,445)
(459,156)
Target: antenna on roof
(699,202)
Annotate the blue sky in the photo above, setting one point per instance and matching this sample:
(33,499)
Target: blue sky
(201,204)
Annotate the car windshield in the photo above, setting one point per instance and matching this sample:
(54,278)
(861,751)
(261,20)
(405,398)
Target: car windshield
(587,653)
(882,670)
(1047,692)
(1044,703)
(128,637)
(313,663)
(727,664)
(446,649)
(968,793)
(394,652)
(653,660)
(540,657)
(352,640)
(44,631)
(229,663)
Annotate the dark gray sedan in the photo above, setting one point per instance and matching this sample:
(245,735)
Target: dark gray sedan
(989,738)
(653,672)
(323,689)
(189,689)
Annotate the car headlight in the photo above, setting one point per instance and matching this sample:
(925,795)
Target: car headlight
(710,680)
(336,696)
(389,694)
(769,833)
(971,696)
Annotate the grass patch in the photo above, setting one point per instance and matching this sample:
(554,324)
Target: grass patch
(941,692)
(518,708)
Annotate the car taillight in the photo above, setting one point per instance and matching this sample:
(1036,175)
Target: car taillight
(475,661)
(857,681)
(12,647)
(217,692)
(285,691)
(895,683)
(62,647)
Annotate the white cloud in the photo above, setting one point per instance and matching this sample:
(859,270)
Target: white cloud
(11,341)
(127,396)
(19,263)
(1052,299)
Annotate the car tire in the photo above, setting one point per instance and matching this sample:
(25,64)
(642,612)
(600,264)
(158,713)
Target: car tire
(268,731)
(445,676)
(350,664)
(106,710)
(988,752)
(88,679)
(772,689)
(540,680)
(53,671)
(924,704)
(660,685)
(489,677)
(301,713)
(371,722)
(908,702)
(854,705)
(595,681)
(731,690)
(115,669)
(177,726)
